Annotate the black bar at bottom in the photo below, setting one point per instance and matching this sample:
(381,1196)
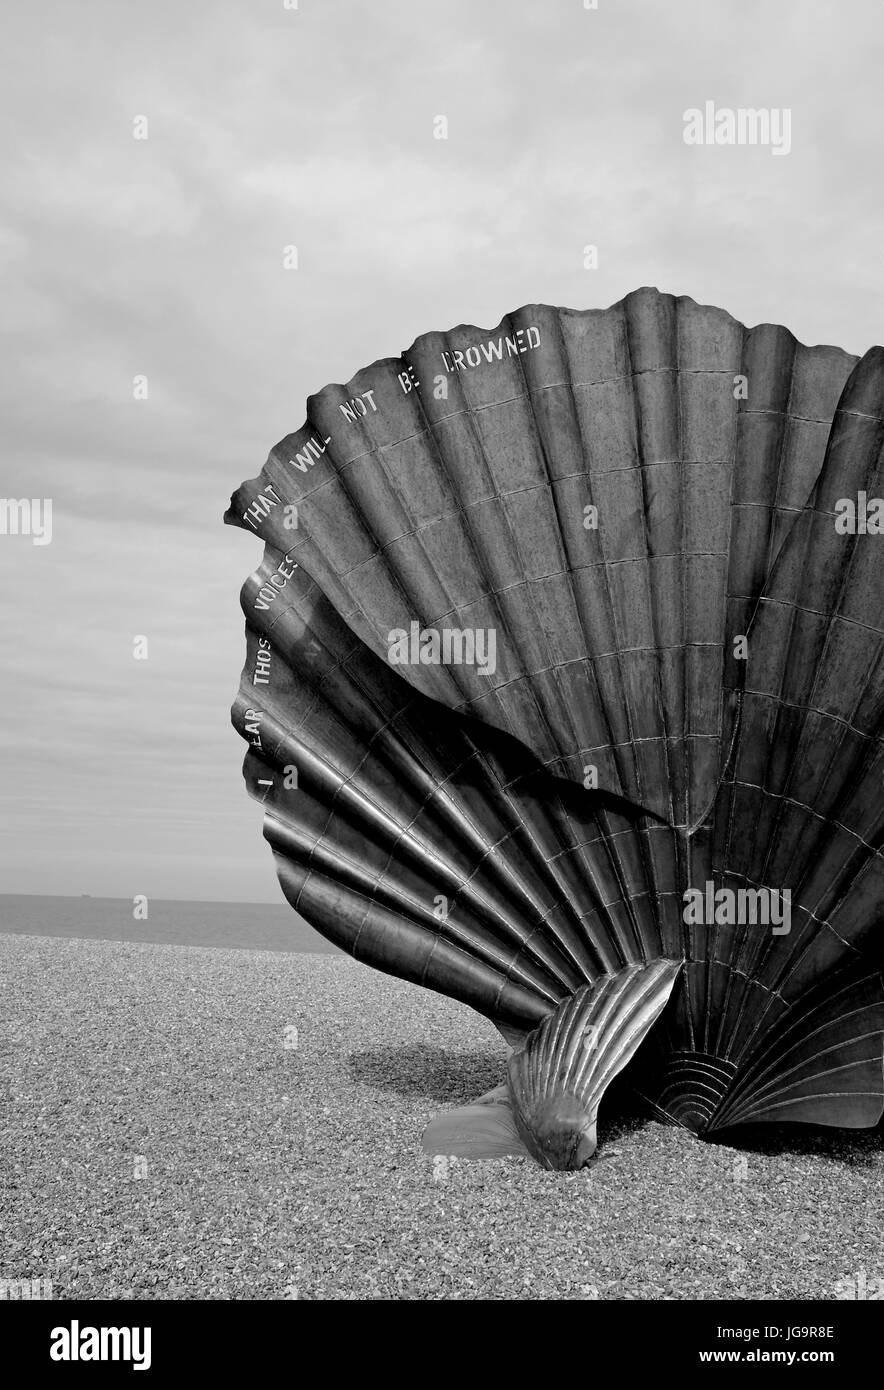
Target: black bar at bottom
(294,1338)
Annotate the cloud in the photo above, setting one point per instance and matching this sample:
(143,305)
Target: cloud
(165,257)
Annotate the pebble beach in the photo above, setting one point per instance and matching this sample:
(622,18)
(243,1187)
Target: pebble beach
(194,1123)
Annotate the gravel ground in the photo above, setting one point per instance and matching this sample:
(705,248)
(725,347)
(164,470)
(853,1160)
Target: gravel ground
(275,1171)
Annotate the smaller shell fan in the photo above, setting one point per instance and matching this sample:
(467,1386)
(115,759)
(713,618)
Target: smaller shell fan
(556,1079)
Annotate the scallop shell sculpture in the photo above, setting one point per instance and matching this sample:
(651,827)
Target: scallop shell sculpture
(565,697)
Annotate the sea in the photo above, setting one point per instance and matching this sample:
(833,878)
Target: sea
(248,926)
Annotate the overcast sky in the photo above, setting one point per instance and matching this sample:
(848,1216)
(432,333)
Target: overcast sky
(270,127)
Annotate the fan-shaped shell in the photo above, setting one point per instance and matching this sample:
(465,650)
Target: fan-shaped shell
(462,502)
(440,828)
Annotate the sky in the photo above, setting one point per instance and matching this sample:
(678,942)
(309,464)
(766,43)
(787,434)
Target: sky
(163,258)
